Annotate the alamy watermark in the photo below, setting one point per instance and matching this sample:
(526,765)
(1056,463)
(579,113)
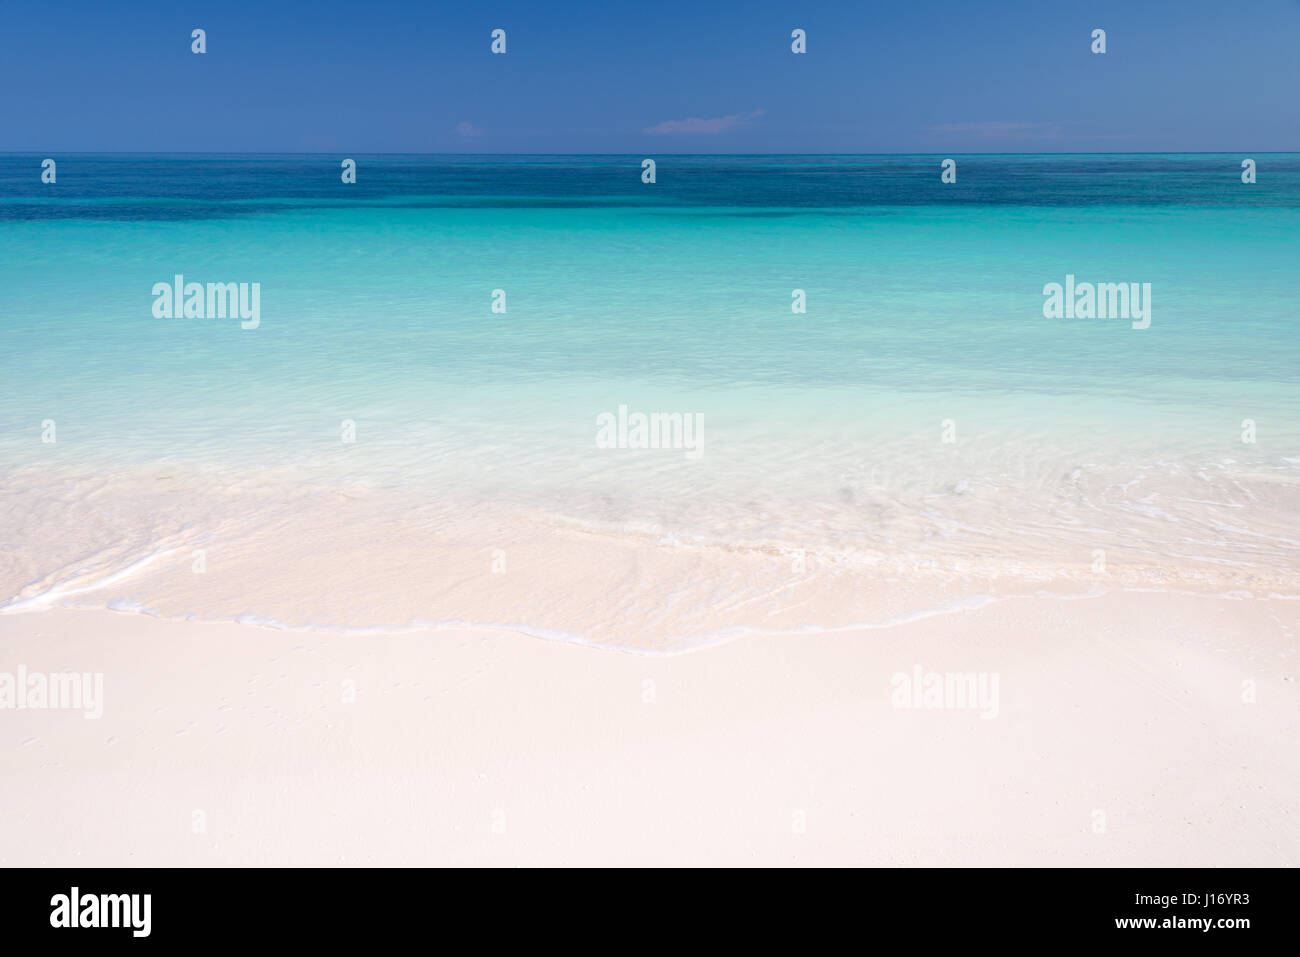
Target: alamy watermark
(60,691)
(946,691)
(1103,300)
(129,911)
(214,300)
(653,430)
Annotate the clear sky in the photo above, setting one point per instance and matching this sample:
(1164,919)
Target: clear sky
(656,76)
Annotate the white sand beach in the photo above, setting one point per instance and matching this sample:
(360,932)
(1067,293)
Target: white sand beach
(1128,729)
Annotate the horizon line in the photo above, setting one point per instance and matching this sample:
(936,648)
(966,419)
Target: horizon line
(638,153)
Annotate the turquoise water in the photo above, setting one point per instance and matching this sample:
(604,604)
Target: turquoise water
(924,306)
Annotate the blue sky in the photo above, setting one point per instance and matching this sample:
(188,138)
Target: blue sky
(650,77)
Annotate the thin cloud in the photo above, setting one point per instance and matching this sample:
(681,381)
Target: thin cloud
(467,129)
(696,125)
(997,128)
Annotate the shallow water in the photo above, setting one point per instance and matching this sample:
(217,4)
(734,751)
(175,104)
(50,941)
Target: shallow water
(921,422)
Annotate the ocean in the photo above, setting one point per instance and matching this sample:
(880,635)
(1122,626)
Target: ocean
(412,431)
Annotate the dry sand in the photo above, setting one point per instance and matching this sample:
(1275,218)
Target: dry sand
(1125,734)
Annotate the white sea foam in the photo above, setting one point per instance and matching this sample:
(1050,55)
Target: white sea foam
(629,569)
